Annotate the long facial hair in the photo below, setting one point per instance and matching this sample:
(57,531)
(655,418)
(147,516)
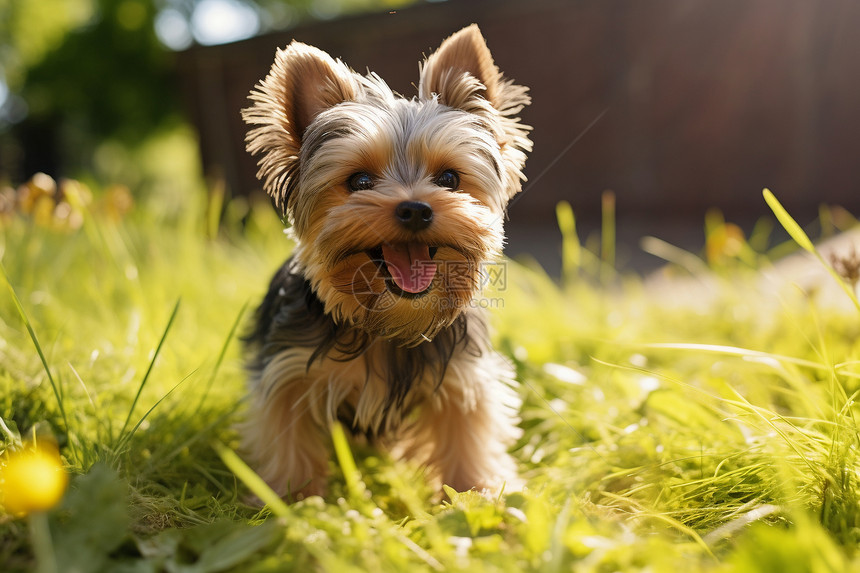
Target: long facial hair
(291,316)
(316,123)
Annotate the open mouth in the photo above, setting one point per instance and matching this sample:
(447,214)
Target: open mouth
(408,268)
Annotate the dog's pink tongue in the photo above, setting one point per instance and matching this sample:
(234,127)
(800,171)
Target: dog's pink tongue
(410,265)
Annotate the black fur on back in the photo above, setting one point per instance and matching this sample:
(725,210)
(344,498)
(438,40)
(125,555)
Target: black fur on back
(292,316)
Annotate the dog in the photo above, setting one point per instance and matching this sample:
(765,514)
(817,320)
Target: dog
(396,206)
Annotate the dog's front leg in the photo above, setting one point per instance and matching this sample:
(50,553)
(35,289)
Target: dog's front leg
(284,437)
(465,427)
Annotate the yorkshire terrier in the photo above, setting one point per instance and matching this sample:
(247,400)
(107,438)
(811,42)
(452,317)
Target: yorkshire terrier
(396,207)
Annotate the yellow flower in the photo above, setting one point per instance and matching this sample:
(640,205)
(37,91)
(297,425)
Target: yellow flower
(726,242)
(33,479)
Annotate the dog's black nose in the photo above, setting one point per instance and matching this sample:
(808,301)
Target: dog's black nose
(414,215)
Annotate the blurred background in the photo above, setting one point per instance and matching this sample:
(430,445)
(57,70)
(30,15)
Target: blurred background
(677,108)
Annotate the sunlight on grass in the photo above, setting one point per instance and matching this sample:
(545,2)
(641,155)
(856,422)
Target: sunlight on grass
(700,419)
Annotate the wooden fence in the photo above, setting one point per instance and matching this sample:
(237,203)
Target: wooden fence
(676,106)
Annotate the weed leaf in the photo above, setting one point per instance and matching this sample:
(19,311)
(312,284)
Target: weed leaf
(802,239)
(122,437)
(788,223)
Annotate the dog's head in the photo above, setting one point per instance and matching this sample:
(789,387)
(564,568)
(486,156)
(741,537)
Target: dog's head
(396,203)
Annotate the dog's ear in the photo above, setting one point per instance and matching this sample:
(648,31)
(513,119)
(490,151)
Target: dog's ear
(461,70)
(462,75)
(303,82)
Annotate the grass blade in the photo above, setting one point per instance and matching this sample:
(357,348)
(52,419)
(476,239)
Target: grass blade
(347,463)
(35,339)
(230,336)
(607,235)
(254,482)
(736,351)
(571,250)
(148,371)
(674,255)
(788,223)
(125,438)
(802,239)
(8,435)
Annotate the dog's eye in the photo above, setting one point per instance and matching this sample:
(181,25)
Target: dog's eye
(448,179)
(360,181)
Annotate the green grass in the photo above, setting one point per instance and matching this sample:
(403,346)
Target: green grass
(711,428)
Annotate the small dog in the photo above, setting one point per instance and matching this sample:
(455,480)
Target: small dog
(396,205)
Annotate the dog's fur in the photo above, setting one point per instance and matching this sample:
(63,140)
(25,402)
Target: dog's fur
(343,333)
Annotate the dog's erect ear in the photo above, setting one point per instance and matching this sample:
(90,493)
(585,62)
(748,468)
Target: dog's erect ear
(451,70)
(303,82)
(462,75)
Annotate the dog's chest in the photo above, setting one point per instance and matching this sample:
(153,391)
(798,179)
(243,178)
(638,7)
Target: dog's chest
(367,393)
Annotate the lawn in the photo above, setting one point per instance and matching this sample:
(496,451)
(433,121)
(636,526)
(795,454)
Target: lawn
(703,422)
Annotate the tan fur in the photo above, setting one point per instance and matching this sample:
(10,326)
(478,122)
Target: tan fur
(461,431)
(315,124)
(464,427)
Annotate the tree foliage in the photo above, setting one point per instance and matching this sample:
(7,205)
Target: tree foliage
(84,72)
(80,71)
